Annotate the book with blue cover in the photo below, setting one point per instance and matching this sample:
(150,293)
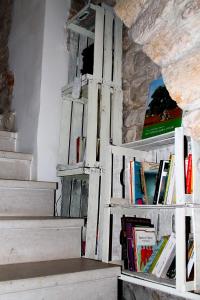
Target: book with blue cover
(137,190)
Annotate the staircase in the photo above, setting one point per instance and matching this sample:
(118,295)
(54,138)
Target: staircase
(39,253)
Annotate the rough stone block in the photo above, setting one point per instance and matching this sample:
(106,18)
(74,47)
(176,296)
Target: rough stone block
(182,79)
(129,10)
(192,125)
(175,39)
(156,16)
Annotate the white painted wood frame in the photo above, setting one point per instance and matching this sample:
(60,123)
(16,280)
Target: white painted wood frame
(92,216)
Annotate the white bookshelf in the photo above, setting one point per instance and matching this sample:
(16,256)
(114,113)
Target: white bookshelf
(154,149)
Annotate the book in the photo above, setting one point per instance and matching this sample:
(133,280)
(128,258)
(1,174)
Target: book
(189,175)
(163,181)
(126,237)
(166,257)
(137,192)
(162,113)
(161,246)
(170,186)
(144,243)
(157,182)
(149,172)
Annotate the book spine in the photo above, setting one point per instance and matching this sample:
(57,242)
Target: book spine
(189,175)
(166,257)
(157,183)
(168,179)
(158,254)
(153,256)
(130,250)
(130,181)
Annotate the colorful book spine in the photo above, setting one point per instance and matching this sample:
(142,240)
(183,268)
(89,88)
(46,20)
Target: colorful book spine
(158,182)
(138,195)
(189,175)
(158,254)
(166,258)
(153,256)
(130,249)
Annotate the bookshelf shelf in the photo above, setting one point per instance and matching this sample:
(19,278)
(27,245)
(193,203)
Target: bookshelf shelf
(153,142)
(124,203)
(151,278)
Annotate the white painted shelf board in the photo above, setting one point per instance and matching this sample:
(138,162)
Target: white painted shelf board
(152,143)
(124,203)
(151,278)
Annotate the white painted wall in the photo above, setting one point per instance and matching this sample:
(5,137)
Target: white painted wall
(38,57)
(26,44)
(54,76)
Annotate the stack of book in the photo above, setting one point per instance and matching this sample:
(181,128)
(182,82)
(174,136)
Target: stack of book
(152,183)
(142,253)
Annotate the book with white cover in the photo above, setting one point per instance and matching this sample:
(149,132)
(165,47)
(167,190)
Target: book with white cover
(166,257)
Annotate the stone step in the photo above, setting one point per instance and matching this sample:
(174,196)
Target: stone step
(73,279)
(29,239)
(15,165)
(8,141)
(26,198)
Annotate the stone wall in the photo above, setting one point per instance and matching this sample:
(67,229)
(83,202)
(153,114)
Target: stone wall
(138,71)
(6,77)
(169,32)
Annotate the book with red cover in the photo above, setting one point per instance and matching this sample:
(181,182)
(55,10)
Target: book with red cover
(189,175)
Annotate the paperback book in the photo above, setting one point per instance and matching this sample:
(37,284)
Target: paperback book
(162,113)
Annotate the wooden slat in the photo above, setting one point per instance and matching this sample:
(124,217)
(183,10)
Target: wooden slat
(117,74)
(64,132)
(66,197)
(82,46)
(91,123)
(76,130)
(196,171)
(105,201)
(93,198)
(98,46)
(117,80)
(75,199)
(180,250)
(73,51)
(196,226)
(81,30)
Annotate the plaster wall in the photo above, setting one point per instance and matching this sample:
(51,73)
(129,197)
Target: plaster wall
(25,43)
(53,77)
(38,58)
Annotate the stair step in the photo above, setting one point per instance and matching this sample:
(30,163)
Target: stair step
(14,165)
(8,141)
(73,279)
(26,198)
(29,239)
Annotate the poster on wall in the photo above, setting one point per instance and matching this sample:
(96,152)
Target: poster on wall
(162,113)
